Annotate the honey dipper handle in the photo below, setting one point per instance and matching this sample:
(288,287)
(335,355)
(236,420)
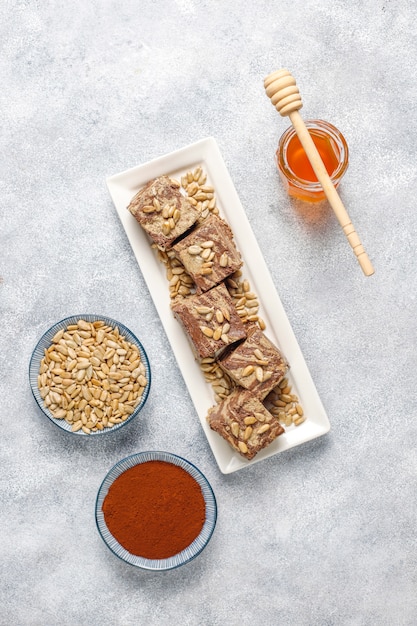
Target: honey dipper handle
(330,191)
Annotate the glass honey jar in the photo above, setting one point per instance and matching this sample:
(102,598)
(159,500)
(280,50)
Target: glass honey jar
(294,167)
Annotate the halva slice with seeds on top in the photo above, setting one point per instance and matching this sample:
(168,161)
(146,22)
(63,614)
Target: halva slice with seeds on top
(243,421)
(255,364)
(209,253)
(162,211)
(210,320)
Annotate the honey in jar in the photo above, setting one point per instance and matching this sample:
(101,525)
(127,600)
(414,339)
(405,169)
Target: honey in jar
(294,167)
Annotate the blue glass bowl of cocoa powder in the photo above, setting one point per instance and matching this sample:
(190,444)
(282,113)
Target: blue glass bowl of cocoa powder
(187,554)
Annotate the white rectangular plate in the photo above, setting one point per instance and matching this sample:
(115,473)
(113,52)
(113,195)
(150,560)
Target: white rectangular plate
(122,188)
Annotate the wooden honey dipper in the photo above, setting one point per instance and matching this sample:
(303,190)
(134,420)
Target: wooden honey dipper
(281,88)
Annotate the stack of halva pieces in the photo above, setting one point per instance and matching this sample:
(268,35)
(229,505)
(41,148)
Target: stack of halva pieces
(207,250)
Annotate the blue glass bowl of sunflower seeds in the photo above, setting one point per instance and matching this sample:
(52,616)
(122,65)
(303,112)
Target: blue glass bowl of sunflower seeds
(90,375)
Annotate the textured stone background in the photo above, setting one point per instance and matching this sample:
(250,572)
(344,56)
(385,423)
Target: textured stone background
(324,534)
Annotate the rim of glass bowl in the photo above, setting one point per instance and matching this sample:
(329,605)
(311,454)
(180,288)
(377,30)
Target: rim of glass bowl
(45,341)
(186,555)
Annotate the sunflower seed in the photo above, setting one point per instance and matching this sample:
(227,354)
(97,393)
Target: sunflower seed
(242,447)
(224,260)
(259,373)
(219,316)
(217,333)
(235,429)
(203,310)
(248,432)
(208,332)
(263,429)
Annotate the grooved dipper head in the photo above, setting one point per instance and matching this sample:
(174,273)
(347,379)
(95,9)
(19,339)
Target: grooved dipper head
(281,88)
